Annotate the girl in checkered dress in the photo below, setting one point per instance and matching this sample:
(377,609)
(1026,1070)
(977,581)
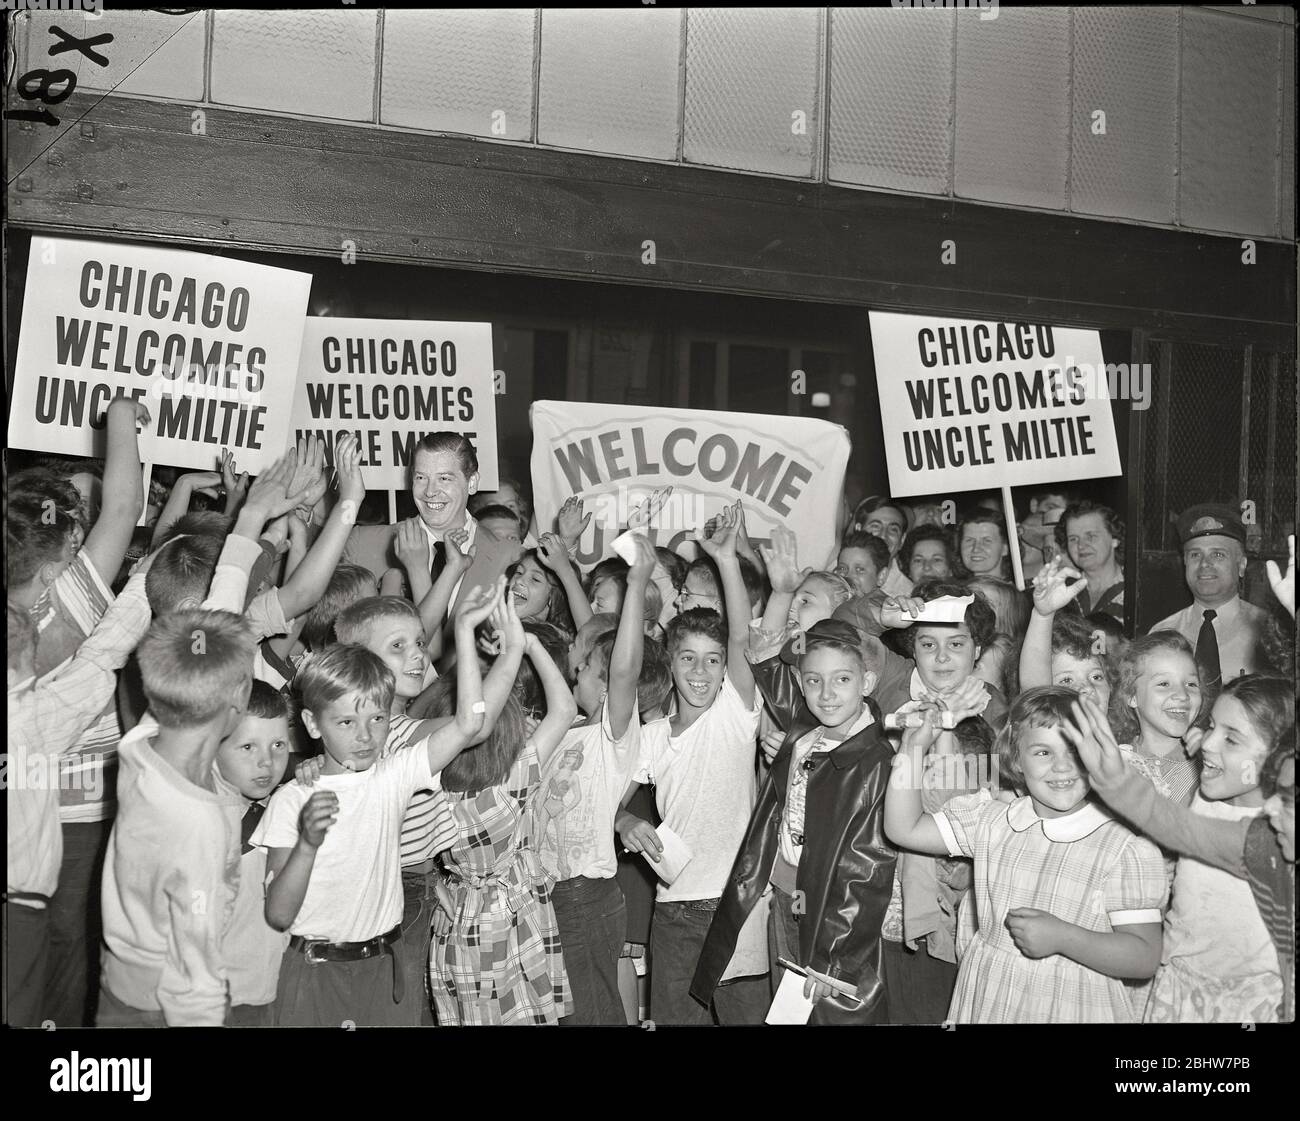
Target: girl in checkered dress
(1067,899)
(495,956)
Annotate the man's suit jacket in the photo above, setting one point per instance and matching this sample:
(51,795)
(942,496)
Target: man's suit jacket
(372,547)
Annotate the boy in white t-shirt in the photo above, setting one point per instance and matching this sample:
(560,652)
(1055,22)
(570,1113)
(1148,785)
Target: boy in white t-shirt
(702,761)
(575,807)
(334,867)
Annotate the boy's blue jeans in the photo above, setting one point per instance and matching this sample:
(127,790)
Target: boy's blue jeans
(676,938)
(592,918)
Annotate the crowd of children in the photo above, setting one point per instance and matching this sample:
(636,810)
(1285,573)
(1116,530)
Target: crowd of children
(261,776)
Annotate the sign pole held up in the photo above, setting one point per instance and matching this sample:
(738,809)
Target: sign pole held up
(1013,537)
(144,506)
(392,507)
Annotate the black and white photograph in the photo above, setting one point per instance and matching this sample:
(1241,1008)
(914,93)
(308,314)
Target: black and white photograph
(760,518)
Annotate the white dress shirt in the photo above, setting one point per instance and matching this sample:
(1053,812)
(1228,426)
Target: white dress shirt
(1236,626)
(434,536)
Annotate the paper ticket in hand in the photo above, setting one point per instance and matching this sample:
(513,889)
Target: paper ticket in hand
(625,547)
(945,609)
(674,858)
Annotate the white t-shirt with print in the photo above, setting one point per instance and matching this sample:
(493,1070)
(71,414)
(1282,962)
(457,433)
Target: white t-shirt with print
(355,890)
(705,787)
(575,806)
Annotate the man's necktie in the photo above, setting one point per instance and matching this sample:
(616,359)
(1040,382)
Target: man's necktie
(439,560)
(252,816)
(1207,653)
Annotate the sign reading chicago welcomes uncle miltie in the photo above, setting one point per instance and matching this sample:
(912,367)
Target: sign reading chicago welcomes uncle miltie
(972,405)
(209,344)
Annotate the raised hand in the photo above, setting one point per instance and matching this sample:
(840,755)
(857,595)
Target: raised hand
(347,466)
(127,410)
(457,562)
(901,611)
(570,522)
(202,482)
(271,494)
(1051,592)
(277,533)
(412,545)
(782,561)
(479,603)
(309,475)
(234,480)
(506,623)
(721,543)
(771,745)
(645,512)
(1283,583)
(1090,735)
(969,699)
(646,559)
(552,553)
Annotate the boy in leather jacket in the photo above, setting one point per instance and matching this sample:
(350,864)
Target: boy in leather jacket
(817,833)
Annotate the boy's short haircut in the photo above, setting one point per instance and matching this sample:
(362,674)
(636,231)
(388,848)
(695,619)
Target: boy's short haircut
(348,584)
(698,620)
(674,564)
(195,664)
(756,585)
(974,736)
(867,654)
(981,619)
(354,623)
(654,605)
(268,703)
(22,638)
(181,571)
(861,539)
(342,669)
(497,512)
(600,653)
(656,678)
(199,523)
(38,529)
(837,587)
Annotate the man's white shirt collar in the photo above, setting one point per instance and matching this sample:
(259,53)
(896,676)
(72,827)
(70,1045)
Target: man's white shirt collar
(470,526)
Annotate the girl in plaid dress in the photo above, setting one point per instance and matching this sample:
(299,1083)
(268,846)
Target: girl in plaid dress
(495,956)
(1067,899)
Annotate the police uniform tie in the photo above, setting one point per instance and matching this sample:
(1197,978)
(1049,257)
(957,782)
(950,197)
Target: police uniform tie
(1207,653)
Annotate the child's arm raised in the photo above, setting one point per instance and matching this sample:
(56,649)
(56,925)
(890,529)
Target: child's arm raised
(1130,952)
(785,576)
(1131,795)
(906,822)
(434,603)
(561,708)
(178,501)
(500,680)
(721,547)
(551,552)
(288,871)
(456,734)
(302,591)
(1051,594)
(629,643)
(108,539)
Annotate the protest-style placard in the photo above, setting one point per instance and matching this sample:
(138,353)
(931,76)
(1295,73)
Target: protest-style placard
(786,470)
(392,381)
(973,405)
(209,344)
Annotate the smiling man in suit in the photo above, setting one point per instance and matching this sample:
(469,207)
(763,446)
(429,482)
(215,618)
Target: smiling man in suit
(444,473)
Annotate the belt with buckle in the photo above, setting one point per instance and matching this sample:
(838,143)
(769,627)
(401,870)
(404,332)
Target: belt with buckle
(317,952)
